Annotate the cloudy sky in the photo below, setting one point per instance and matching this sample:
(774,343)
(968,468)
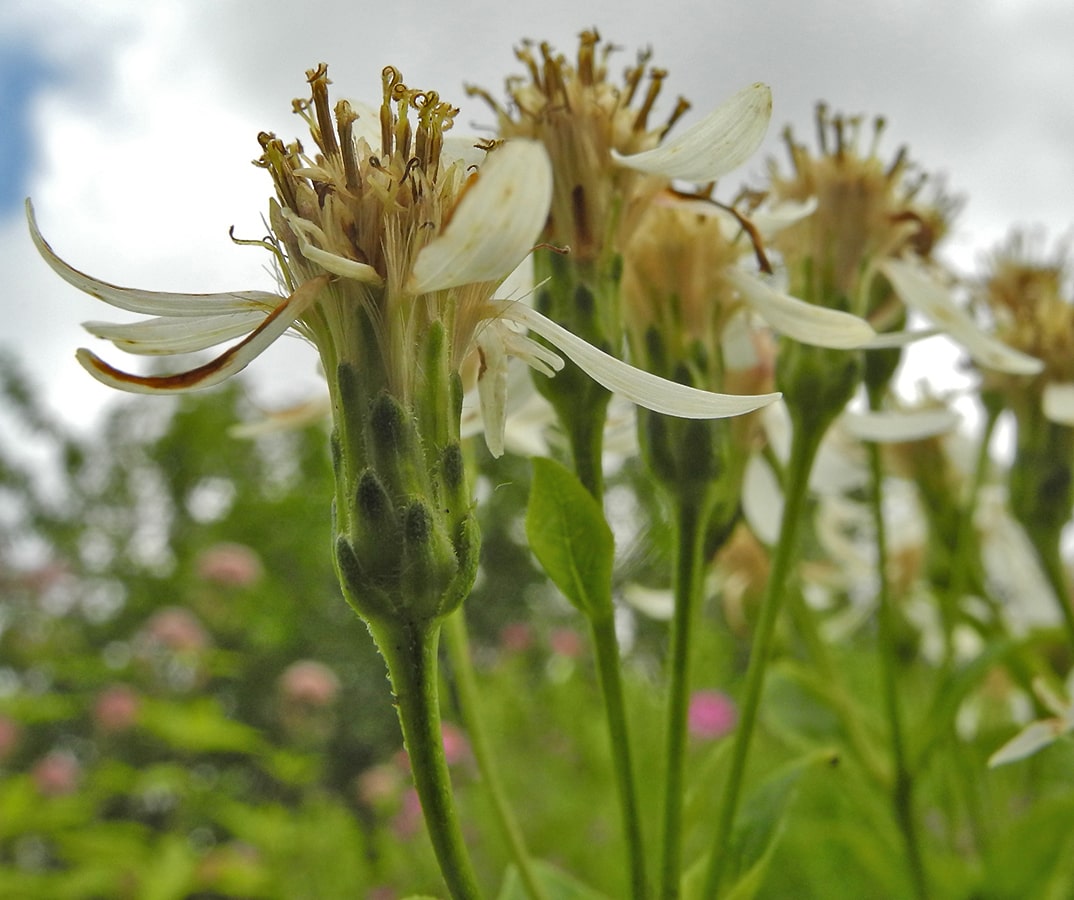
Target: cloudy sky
(132,123)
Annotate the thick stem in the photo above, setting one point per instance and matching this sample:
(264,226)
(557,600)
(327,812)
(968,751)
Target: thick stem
(804,447)
(410,652)
(690,521)
(458,647)
(606,647)
(1047,543)
(902,787)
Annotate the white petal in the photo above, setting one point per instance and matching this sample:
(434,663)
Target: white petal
(802,321)
(762,500)
(720,142)
(893,339)
(495,224)
(176,335)
(232,360)
(923,293)
(492,388)
(463,149)
(330,262)
(1028,741)
(770,219)
(153,303)
(894,427)
(643,388)
(1058,402)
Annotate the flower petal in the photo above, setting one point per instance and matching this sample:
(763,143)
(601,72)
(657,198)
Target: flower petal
(175,335)
(232,360)
(897,426)
(720,142)
(1028,741)
(643,388)
(1058,402)
(492,388)
(330,262)
(888,340)
(802,321)
(930,298)
(495,223)
(153,303)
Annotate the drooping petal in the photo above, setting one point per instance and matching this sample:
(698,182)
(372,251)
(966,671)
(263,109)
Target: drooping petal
(930,298)
(492,388)
(893,339)
(1034,737)
(1058,402)
(232,360)
(640,387)
(152,303)
(330,262)
(802,321)
(898,426)
(171,335)
(716,145)
(495,224)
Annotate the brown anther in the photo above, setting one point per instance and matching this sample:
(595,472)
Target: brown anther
(345,118)
(681,106)
(821,119)
(586,70)
(326,134)
(656,78)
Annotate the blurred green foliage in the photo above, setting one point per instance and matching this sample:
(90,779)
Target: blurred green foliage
(188,709)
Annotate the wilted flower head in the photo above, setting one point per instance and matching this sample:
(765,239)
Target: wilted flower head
(1028,293)
(608,156)
(868,209)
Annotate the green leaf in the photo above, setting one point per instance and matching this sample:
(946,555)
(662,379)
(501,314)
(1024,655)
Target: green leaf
(570,538)
(557,885)
(199,726)
(758,829)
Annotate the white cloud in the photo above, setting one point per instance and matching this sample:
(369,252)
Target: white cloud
(144,145)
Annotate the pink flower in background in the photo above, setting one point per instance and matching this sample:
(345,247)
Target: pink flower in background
(10,732)
(566,642)
(116,708)
(309,683)
(231,565)
(408,821)
(712,715)
(456,746)
(516,637)
(177,629)
(56,774)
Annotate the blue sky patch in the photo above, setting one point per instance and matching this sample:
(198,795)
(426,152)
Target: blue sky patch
(22,74)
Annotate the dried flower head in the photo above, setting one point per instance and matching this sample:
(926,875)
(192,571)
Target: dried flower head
(608,155)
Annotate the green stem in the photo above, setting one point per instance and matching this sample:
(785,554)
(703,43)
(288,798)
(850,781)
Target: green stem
(804,447)
(902,787)
(583,419)
(606,647)
(458,647)
(1047,543)
(410,652)
(690,520)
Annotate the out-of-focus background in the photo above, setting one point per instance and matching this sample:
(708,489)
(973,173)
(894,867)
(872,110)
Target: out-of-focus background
(132,124)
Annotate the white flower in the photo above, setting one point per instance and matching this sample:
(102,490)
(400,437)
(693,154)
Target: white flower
(919,290)
(1038,735)
(409,236)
